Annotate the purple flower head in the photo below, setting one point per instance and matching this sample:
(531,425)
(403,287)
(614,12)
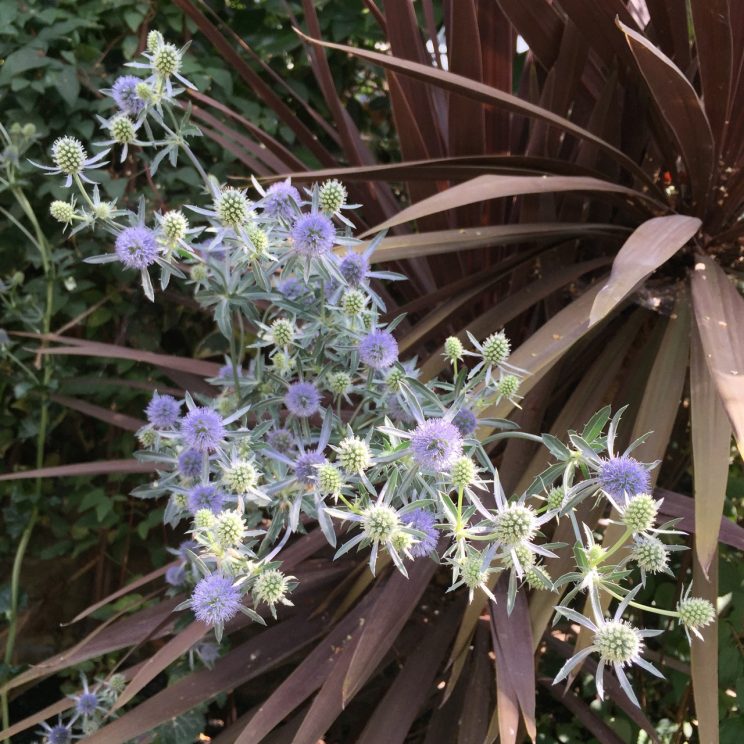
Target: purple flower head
(59,734)
(190,463)
(623,476)
(436,444)
(422,520)
(378,350)
(281,201)
(136,247)
(313,235)
(465,422)
(397,411)
(184,546)
(302,399)
(175,575)
(215,600)
(226,371)
(86,704)
(125,95)
(163,411)
(292,288)
(205,497)
(281,440)
(208,652)
(203,429)
(354,267)
(304,469)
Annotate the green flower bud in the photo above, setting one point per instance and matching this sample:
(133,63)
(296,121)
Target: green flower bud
(154,40)
(463,472)
(496,348)
(282,331)
(339,383)
(353,302)
(617,642)
(62,211)
(331,196)
(453,349)
(380,522)
(271,587)
(69,155)
(232,207)
(354,455)
(639,514)
(175,225)
(515,524)
(122,129)
(166,60)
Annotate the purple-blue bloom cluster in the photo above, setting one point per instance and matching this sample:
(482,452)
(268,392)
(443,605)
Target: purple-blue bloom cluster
(190,463)
(423,521)
(378,349)
(304,465)
(205,496)
(623,476)
(203,429)
(281,440)
(354,267)
(175,575)
(163,411)
(124,93)
(86,703)
(302,399)
(59,734)
(313,235)
(215,600)
(136,247)
(281,201)
(436,444)
(465,422)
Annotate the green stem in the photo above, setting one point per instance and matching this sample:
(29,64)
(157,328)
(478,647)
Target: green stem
(639,606)
(619,544)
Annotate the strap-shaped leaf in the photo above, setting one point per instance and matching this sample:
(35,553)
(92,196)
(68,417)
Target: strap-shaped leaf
(651,244)
(486,187)
(711,440)
(719,309)
(681,109)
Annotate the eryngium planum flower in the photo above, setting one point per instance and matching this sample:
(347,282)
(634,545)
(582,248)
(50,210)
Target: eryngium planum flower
(623,476)
(205,496)
(378,349)
(124,93)
(423,521)
(215,600)
(202,429)
(302,399)
(136,247)
(163,411)
(281,201)
(436,444)
(313,235)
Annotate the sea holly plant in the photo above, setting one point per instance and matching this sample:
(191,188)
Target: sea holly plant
(316,419)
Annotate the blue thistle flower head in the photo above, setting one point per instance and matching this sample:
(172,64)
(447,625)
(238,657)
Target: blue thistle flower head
(623,476)
(215,600)
(436,444)
(304,470)
(281,440)
(465,422)
(124,93)
(175,576)
(302,399)
(86,703)
(226,371)
(202,429)
(354,267)
(292,288)
(59,734)
(281,201)
(313,235)
(163,411)
(184,546)
(205,497)
(136,247)
(190,463)
(378,349)
(422,520)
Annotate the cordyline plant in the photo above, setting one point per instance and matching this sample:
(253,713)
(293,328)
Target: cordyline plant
(318,422)
(622,143)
